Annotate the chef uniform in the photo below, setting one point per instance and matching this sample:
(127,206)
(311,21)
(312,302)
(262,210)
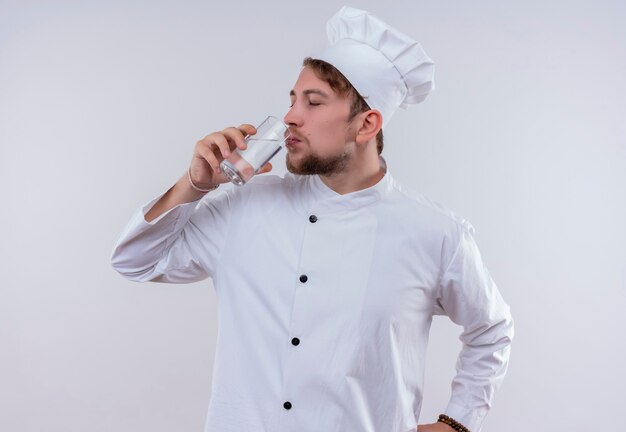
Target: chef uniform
(325,300)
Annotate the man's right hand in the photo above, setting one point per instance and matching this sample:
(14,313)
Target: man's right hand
(204,169)
(215,147)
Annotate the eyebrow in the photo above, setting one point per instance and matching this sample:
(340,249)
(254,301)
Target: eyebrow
(310,91)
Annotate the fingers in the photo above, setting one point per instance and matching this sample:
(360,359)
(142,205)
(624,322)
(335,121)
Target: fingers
(204,150)
(218,146)
(222,143)
(213,148)
(236,136)
(247,129)
(228,139)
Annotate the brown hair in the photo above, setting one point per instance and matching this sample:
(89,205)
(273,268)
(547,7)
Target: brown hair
(340,85)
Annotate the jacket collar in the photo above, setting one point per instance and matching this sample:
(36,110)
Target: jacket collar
(320,198)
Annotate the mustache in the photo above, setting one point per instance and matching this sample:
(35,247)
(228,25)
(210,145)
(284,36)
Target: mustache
(292,134)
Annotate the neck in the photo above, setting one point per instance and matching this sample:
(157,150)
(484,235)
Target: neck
(358,175)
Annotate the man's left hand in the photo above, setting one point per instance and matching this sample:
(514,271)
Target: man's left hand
(435,427)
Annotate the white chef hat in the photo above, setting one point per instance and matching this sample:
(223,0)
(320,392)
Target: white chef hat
(388,68)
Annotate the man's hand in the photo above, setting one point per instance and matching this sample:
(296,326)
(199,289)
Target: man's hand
(435,427)
(205,169)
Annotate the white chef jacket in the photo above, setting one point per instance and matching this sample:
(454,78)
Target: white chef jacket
(325,302)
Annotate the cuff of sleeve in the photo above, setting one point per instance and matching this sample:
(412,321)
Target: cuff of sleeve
(472,419)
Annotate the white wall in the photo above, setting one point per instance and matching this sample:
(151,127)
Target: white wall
(101,104)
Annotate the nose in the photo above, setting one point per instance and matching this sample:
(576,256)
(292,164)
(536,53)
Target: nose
(293,118)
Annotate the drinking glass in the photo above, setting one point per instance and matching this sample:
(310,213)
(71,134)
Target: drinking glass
(242,165)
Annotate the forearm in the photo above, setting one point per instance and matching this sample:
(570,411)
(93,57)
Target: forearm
(142,245)
(481,367)
(180,243)
(180,193)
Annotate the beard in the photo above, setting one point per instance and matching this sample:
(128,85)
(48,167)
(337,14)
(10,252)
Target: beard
(313,164)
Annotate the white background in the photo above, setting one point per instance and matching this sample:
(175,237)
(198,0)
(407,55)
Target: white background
(101,104)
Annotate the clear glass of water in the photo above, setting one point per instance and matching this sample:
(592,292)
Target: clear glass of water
(242,165)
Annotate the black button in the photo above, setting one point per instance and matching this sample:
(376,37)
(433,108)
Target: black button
(312,218)
(303,278)
(287,405)
(295,341)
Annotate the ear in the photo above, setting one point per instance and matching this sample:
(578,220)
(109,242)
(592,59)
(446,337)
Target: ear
(371,123)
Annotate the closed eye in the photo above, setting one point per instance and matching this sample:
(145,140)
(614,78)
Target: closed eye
(310,103)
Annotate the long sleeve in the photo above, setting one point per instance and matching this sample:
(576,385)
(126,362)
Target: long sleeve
(180,246)
(469,296)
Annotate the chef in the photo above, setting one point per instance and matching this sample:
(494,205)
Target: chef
(327,279)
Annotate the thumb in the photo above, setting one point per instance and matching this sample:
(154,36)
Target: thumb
(266,168)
